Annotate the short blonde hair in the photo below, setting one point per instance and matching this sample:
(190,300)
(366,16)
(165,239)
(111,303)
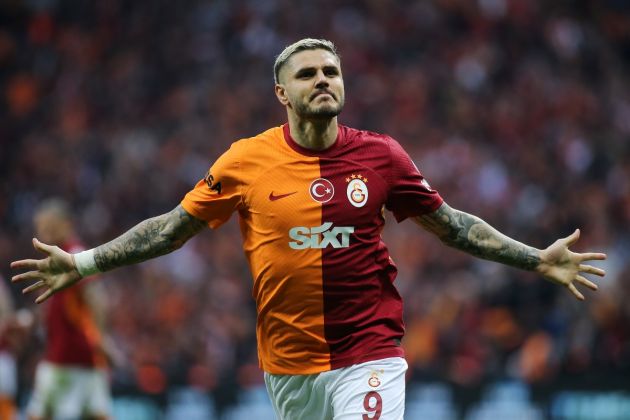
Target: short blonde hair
(302,45)
(55,206)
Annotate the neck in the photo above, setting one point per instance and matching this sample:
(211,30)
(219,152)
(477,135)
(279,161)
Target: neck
(313,135)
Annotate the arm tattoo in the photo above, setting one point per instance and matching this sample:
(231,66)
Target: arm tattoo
(472,235)
(149,239)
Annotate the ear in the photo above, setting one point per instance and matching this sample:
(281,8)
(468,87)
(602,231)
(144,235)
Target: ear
(281,94)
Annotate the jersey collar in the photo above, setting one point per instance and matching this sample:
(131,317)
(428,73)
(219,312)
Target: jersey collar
(330,151)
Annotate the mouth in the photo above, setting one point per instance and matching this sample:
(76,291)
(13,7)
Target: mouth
(321,93)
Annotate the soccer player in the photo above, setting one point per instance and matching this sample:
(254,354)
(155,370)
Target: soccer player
(71,382)
(15,329)
(310,196)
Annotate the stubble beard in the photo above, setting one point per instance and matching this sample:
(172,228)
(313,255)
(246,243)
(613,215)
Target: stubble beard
(323,112)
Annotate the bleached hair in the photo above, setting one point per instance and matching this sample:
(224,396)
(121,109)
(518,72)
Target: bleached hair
(55,206)
(302,45)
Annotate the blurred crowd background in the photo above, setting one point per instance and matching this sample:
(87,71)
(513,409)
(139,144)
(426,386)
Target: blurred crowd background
(517,111)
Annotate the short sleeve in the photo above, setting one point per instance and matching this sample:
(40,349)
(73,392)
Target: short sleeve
(409,192)
(219,193)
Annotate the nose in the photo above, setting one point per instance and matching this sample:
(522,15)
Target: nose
(321,80)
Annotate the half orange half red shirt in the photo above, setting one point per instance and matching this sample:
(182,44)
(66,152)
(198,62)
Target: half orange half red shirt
(311,224)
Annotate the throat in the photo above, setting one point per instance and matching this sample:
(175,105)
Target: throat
(315,135)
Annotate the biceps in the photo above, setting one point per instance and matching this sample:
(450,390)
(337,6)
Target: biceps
(438,222)
(448,223)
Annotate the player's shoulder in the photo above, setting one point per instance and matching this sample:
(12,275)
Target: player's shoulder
(251,148)
(265,138)
(369,138)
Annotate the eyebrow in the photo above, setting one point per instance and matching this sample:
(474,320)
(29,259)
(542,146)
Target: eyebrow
(305,70)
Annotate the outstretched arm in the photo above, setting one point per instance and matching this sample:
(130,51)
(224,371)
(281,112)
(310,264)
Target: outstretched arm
(149,239)
(471,234)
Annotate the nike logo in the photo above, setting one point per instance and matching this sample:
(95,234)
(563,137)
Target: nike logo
(273,197)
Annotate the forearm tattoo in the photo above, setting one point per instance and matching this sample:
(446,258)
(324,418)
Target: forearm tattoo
(474,236)
(148,239)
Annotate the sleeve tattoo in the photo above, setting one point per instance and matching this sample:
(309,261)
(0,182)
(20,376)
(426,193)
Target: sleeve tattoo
(149,239)
(473,235)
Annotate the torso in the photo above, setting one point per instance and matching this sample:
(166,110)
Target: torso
(311,224)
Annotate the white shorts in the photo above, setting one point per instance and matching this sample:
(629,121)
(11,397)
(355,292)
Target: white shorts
(69,393)
(369,391)
(8,375)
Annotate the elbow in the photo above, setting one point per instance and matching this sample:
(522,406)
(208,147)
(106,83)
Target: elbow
(448,240)
(171,242)
(176,244)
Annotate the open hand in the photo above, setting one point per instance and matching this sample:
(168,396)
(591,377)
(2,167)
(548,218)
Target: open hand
(55,272)
(564,267)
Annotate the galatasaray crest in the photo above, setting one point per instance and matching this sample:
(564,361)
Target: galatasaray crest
(357,190)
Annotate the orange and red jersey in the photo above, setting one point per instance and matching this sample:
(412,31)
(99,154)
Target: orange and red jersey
(311,224)
(72,337)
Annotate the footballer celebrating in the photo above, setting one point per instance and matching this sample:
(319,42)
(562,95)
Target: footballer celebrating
(310,196)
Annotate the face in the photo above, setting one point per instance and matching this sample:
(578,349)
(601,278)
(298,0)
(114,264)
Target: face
(51,228)
(310,85)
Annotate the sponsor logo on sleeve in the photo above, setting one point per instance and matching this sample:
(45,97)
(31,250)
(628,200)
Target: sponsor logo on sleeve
(212,185)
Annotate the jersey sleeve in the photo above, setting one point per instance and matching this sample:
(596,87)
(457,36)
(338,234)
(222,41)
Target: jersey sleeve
(219,193)
(409,193)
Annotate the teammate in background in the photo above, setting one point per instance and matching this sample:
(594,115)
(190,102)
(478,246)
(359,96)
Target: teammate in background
(310,196)
(71,381)
(8,371)
(14,330)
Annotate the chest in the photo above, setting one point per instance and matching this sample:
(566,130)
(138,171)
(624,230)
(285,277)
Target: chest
(312,192)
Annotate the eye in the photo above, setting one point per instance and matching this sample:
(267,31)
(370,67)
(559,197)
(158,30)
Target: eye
(306,74)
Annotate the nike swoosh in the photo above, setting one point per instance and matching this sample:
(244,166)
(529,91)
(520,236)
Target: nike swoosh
(273,197)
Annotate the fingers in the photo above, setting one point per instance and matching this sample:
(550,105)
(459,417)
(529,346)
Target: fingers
(589,269)
(29,275)
(572,238)
(48,293)
(32,264)
(575,291)
(40,246)
(587,256)
(584,281)
(34,287)
(29,264)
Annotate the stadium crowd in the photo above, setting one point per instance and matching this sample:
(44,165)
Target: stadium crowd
(515,110)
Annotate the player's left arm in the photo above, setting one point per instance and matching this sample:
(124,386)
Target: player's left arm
(471,234)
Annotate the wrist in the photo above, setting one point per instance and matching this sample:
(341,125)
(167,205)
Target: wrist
(85,263)
(543,266)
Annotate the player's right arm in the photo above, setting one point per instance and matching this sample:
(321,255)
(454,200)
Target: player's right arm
(151,238)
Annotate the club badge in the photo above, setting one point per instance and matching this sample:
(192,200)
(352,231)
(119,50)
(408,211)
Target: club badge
(357,190)
(374,381)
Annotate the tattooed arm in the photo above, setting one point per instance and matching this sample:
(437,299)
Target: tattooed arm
(148,239)
(472,235)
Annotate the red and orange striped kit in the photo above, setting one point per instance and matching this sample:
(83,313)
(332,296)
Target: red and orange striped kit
(311,225)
